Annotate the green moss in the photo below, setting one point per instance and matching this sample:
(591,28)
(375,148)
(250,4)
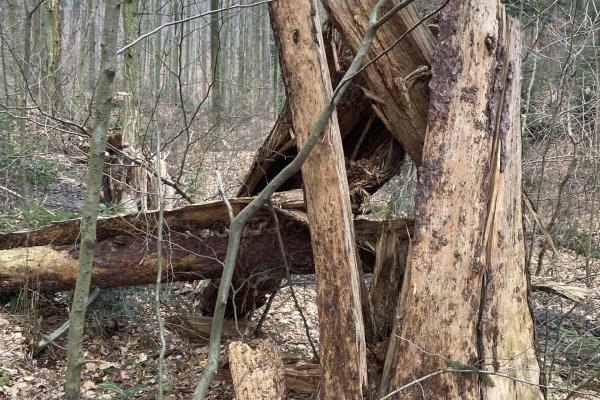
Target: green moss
(484,377)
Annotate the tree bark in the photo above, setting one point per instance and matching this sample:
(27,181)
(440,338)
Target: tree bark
(257,374)
(300,377)
(297,30)
(397,82)
(102,107)
(464,298)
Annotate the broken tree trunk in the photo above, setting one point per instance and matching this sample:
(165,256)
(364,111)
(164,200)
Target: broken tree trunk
(464,298)
(297,31)
(257,374)
(372,155)
(300,377)
(397,82)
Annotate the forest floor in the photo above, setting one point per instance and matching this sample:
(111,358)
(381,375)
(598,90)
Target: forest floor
(121,344)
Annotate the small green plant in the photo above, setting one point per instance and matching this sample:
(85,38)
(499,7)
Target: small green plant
(385,211)
(120,392)
(4,380)
(36,215)
(41,173)
(483,376)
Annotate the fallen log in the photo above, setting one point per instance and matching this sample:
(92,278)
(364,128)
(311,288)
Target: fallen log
(196,242)
(574,293)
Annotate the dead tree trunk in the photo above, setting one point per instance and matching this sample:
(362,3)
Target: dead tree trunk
(297,30)
(464,299)
(390,263)
(397,82)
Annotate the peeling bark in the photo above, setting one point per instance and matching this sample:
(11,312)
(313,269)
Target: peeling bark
(257,374)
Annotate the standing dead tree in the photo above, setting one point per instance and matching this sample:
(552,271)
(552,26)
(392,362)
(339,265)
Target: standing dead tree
(464,296)
(297,31)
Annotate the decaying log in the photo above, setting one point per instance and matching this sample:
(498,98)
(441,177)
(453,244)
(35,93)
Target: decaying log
(257,374)
(197,238)
(196,328)
(397,82)
(570,292)
(125,255)
(464,295)
(297,31)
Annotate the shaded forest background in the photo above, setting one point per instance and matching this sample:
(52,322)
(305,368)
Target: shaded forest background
(210,90)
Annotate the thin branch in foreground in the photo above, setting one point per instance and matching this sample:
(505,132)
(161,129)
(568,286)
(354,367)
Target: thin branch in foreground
(159,270)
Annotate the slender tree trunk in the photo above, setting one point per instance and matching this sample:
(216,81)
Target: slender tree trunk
(102,108)
(131,23)
(215,70)
(156,51)
(92,70)
(298,31)
(74,16)
(464,296)
(174,66)
(55,57)
(24,65)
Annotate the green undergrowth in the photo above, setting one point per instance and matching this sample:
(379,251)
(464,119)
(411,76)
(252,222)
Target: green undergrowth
(575,347)
(31,216)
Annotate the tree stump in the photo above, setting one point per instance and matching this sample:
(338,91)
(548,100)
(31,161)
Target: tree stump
(257,374)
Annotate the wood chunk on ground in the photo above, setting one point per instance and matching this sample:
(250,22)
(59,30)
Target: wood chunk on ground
(257,374)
